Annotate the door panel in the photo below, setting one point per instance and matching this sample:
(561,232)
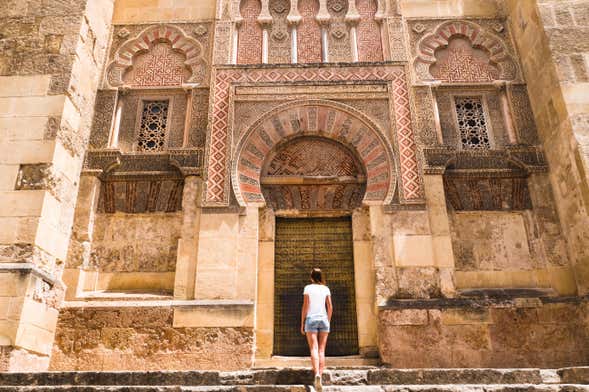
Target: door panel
(302,244)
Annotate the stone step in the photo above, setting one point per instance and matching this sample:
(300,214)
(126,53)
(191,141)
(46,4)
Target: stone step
(352,361)
(306,388)
(297,376)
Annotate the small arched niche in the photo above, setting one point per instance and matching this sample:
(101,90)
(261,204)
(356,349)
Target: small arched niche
(312,173)
(161,65)
(460,61)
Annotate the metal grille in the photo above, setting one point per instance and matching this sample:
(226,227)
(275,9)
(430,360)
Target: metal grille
(472,123)
(302,244)
(152,134)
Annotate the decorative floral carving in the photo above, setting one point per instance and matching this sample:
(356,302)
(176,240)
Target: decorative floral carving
(419,28)
(200,31)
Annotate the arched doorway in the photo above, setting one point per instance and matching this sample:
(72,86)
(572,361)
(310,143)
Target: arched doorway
(313,184)
(313,167)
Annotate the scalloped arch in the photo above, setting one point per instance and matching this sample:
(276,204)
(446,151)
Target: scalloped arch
(144,41)
(328,119)
(478,37)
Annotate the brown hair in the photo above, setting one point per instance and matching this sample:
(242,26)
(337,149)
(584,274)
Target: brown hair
(316,276)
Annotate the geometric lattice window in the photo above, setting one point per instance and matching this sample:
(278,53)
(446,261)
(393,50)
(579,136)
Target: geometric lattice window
(152,133)
(472,123)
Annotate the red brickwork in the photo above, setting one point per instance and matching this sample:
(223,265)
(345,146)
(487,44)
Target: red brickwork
(309,33)
(369,39)
(250,33)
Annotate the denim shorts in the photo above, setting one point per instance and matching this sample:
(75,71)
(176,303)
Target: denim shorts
(317,324)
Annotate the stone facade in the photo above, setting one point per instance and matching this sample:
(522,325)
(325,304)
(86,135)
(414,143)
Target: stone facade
(148,153)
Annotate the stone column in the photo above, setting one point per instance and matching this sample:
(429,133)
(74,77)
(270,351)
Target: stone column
(78,259)
(440,231)
(387,282)
(506,112)
(43,131)
(188,243)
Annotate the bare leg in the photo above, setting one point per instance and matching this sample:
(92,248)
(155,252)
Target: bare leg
(314,349)
(322,344)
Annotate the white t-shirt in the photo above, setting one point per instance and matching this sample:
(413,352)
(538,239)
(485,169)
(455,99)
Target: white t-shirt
(317,294)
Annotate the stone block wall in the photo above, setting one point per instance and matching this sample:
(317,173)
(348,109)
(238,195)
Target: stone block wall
(523,332)
(51,54)
(135,252)
(145,338)
(552,39)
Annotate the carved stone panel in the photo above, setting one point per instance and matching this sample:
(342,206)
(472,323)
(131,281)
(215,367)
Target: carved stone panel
(103,118)
(160,66)
(369,37)
(311,173)
(489,194)
(279,41)
(308,33)
(523,115)
(141,195)
(250,33)
(159,55)
(133,105)
(340,49)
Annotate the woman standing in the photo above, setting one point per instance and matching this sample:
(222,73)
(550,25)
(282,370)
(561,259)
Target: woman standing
(315,318)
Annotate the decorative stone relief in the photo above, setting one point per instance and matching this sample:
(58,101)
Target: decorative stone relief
(223,44)
(340,49)
(164,54)
(369,37)
(338,176)
(396,34)
(160,66)
(279,43)
(523,115)
(219,140)
(308,33)
(141,195)
(250,33)
(198,122)
(425,115)
(328,119)
(460,62)
(462,51)
(104,111)
(489,194)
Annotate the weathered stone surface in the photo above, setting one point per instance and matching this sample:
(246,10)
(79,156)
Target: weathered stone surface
(144,338)
(485,335)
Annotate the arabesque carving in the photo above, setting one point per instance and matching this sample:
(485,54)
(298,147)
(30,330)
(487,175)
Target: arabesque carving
(179,42)
(439,58)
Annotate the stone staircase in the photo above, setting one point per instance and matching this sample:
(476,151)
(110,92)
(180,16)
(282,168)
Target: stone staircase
(366,379)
